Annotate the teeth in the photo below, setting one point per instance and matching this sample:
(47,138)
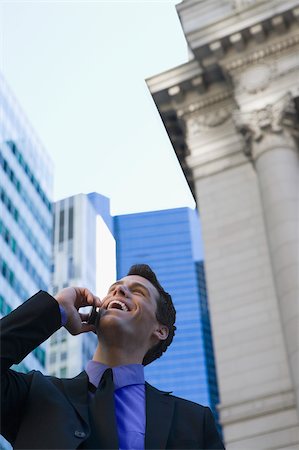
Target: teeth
(123,306)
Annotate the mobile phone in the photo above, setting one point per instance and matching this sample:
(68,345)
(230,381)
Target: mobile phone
(94,315)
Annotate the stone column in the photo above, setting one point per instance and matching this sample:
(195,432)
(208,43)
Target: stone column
(274,151)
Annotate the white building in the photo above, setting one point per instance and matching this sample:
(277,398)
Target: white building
(232,113)
(26,176)
(83,255)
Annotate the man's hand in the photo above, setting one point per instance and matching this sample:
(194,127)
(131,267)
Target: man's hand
(71,299)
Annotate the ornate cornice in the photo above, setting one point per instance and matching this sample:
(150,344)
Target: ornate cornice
(205,102)
(275,48)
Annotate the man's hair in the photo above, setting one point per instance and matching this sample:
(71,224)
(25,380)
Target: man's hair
(165,313)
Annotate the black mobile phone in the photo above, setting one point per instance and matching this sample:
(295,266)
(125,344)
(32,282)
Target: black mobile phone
(94,315)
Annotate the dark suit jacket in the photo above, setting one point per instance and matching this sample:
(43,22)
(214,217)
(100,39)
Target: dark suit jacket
(43,412)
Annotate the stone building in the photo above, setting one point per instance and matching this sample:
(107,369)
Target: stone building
(232,113)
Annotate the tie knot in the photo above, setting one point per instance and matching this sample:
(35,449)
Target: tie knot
(107,378)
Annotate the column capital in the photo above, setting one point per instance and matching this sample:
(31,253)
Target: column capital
(274,124)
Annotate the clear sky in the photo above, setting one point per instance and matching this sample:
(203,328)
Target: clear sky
(78,70)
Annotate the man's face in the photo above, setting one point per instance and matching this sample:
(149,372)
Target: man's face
(130,311)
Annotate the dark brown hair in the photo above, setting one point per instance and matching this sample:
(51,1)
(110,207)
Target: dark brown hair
(165,313)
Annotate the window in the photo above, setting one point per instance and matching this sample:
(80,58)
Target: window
(63,356)
(61,225)
(12,145)
(70,268)
(71,222)
(52,358)
(63,372)
(54,339)
(39,353)
(63,335)
(55,290)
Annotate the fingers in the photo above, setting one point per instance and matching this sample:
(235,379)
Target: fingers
(83,328)
(87,327)
(85,298)
(72,299)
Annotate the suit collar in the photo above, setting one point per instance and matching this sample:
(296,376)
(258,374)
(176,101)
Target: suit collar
(159,409)
(159,412)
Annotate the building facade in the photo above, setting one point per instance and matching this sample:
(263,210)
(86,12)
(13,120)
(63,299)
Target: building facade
(26,177)
(169,241)
(231,113)
(83,255)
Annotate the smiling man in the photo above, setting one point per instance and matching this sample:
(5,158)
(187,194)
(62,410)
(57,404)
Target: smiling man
(109,405)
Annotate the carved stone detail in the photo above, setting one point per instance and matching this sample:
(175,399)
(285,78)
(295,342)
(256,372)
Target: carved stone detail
(209,100)
(260,54)
(196,123)
(274,118)
(256,78)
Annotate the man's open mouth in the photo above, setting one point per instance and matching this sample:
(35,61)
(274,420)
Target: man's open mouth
(117,304)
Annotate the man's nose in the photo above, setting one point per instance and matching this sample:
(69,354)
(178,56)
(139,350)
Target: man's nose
(122,290)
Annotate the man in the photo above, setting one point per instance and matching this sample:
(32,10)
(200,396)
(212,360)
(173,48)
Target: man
(99,408)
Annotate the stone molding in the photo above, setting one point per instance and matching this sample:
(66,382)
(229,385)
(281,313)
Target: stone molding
(209,100)
(238,5)
(213,164)
(196,123)
(278,118)
(274,48)
(259,406)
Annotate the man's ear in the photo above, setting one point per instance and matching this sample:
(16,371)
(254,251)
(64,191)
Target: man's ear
(161,332)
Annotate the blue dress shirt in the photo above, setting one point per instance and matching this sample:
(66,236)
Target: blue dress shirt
(129,397)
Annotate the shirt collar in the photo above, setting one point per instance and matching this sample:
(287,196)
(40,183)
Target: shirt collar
(122,375)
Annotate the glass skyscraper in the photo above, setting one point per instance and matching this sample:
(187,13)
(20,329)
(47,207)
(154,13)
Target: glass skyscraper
(26,178)
(169,241)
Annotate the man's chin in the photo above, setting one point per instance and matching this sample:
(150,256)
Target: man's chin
(110,318)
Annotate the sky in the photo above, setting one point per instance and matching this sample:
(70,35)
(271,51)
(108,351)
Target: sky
(78,70)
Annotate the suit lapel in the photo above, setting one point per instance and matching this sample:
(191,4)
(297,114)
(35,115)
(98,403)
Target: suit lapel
(159,411)
(76,390)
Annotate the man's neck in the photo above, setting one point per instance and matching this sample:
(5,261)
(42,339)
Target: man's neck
(113,357)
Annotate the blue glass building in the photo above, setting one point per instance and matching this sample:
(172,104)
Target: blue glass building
(169,241)
(26,219)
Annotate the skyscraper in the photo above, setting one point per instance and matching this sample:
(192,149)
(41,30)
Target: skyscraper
(169,241)
(26,176)
(83,255)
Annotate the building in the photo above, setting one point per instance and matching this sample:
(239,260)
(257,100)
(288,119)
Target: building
(231,113)
(169,241)
(83,255)
(26,176)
